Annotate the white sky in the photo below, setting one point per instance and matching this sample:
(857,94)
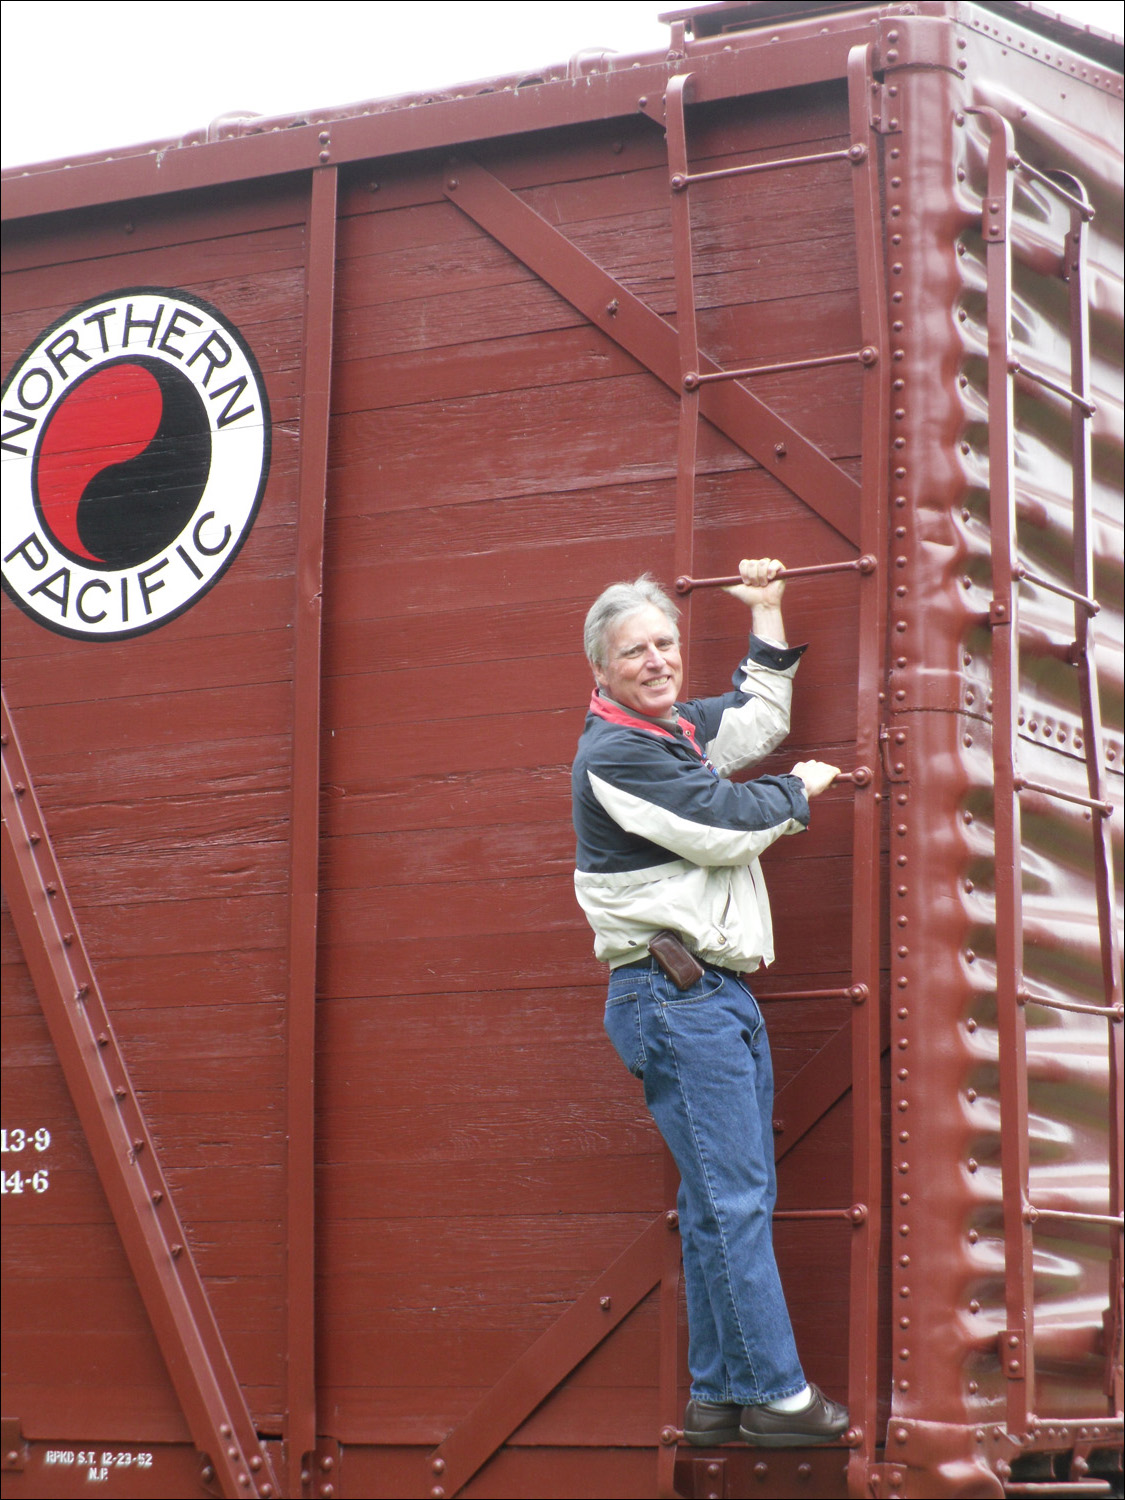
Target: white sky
(90,75)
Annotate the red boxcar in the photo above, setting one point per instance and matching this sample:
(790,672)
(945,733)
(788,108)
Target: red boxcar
(319,436)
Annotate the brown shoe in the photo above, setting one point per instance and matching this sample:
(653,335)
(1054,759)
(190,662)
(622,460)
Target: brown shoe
(822,1421)
(707,1423)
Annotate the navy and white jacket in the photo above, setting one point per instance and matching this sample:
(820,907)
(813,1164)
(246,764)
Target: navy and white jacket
(664,839)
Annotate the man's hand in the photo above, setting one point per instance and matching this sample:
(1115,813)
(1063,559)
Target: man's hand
(762,589)
(816,775)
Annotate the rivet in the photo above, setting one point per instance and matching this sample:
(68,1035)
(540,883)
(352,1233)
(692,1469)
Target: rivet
(605,1303)
(672,1219)
(972,1164)
(974,1306)
(438,1466)
(225,1431)
(103,1039)
(326,1463)
(901,1434)
(761,1470)
(158,1197)
(970,1025)
(804,1471)
(973,1236)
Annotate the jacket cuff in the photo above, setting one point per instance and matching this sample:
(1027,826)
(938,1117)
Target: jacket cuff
(763,654)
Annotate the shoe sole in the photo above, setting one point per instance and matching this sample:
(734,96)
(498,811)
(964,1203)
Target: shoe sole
(789,1439)
(713,1439)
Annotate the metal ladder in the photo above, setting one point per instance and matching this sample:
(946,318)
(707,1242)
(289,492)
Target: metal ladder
(1017,1351)
(860,158)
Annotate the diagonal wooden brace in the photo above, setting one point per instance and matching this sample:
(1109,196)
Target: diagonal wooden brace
(812,476)
(119,1141)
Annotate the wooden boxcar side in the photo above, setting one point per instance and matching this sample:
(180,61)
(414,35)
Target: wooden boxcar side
(328,1182)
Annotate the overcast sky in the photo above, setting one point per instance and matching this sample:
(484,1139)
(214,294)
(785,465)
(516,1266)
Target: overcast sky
(91,75)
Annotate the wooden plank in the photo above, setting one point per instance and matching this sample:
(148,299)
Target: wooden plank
(141,225)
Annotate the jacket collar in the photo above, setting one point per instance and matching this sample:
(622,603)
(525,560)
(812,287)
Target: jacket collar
(614,713)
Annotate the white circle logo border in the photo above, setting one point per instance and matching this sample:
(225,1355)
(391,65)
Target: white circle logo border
(76,597)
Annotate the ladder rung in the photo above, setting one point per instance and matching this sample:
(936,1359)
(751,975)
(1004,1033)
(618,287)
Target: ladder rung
(1016,368)
(1090,605)
(1022,784)
(865,356)
(854,154)
(1032,1215)
(1084,208)
(1111,1012)
(855,992)
(1049,1488)
(864,564)
(856,1214)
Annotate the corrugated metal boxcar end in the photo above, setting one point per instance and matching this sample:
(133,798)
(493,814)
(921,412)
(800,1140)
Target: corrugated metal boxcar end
(319,438)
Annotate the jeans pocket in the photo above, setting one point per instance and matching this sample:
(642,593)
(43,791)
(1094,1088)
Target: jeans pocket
(702,990)
(756,1019)
(623,1027)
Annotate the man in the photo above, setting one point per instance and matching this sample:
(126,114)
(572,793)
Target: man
(668,855)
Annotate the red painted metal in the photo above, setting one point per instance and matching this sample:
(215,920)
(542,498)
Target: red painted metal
(687,334)
(495,449)
(867,898)
(304,854)
(864,564)
(118,1136)
(865,356)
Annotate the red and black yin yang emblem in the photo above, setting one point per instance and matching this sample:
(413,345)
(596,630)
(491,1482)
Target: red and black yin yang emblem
(135,453)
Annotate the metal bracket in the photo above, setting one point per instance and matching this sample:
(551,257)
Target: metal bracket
(13,1449)
(1012,1344)
(885,109)
(886,1481)
(892,744)
(709,1478)
(920,42)
(320,1470)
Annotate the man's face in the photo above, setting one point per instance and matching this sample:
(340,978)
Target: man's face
(643,671)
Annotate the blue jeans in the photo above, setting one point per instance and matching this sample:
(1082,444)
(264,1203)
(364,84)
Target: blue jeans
(708,1080)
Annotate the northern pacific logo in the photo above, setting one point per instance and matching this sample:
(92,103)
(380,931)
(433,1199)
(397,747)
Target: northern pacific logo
(136,445)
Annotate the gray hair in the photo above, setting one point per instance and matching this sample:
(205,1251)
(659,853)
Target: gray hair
(614,604)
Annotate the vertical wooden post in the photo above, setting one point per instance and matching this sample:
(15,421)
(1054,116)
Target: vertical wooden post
(304,848)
